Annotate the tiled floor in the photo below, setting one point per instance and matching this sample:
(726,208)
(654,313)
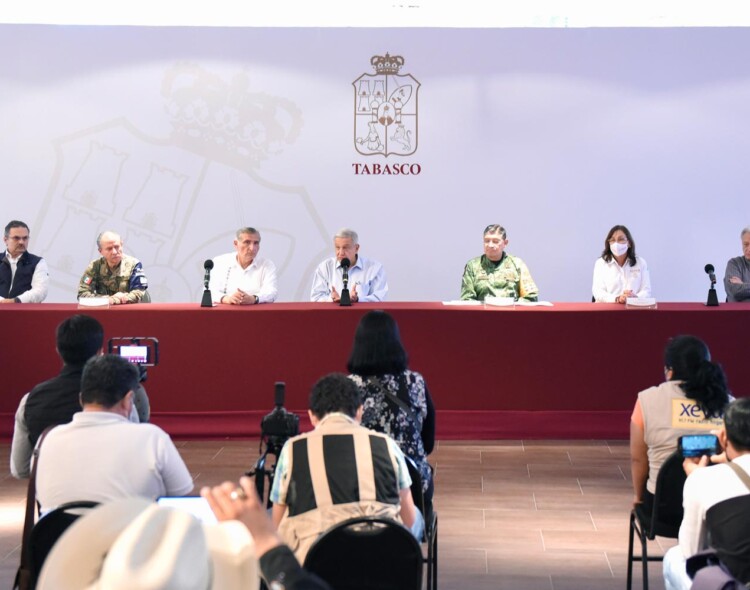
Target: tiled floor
(521,515)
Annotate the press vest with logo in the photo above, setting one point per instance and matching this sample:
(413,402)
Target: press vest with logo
(339,471)
(667,415)
(24,273)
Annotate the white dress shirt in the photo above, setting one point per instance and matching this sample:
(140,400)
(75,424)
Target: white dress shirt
(39,280)
(367,275)
(611,279)
(259,278)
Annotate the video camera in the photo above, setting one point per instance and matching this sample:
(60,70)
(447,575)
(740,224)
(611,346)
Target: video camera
(276,428)
(142,351)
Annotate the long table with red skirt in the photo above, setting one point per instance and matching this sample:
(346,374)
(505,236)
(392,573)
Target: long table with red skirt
(572,370)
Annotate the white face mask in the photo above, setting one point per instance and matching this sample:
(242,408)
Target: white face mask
(618,249)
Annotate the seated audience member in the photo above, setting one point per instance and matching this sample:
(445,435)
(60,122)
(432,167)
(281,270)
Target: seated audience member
(115,275)
(55,401)
(101,456)
(241,277)
(496,273)
(619,273)
(737,275)
(338,471)
(367,281)
(690,401)
(278,566)
(707,486)
(135,544)
(396,401)
(24,278)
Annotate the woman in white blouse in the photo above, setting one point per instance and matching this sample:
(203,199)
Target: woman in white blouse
(619,273)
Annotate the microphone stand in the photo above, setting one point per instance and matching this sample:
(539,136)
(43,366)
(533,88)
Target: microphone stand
(345,300)
(713,300)
(207,300)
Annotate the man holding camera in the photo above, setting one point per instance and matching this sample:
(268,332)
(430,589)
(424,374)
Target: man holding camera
(101,456)
(338,471)
(706,487)
(53,402)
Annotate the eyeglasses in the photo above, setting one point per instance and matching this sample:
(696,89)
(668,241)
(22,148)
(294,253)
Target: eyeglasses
(18,238)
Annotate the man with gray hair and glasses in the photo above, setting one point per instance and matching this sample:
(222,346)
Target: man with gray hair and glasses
(241,277)
(496,273)
(24,278)
(367,281)
(737,275)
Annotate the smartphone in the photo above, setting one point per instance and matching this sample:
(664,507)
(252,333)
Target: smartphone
(195,505)
(697,445)
(139,350)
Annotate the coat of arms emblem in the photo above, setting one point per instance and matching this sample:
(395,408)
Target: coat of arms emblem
(385,109)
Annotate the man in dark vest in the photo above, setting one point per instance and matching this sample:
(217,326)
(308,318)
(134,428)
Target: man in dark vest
(338,471)
(23,277)
(55,401)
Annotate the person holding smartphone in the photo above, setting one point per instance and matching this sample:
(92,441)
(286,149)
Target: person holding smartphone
(690,401)
(707,486)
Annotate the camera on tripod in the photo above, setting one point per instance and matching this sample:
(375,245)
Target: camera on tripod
(276,428)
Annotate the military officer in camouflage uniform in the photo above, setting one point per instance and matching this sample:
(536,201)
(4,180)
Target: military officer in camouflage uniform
(115,274)
(496,273)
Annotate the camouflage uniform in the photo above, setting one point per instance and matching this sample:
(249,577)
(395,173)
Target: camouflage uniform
(128,277)
(508,278)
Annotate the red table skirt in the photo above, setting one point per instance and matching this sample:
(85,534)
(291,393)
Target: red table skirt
(568,371)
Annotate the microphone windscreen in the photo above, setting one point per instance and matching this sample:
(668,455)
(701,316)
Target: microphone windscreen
(709,268)
(209,264)
(346,263)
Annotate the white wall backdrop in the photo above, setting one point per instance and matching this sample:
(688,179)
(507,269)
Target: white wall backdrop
(175,137)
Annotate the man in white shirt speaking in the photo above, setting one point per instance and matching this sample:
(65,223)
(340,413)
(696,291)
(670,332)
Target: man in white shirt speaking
(367,281)
(241,277)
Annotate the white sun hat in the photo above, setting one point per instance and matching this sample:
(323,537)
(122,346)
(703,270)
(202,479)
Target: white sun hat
(133,544)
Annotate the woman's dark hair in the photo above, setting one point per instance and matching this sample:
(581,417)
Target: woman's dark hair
(607,253)
(377,348)
(690,361)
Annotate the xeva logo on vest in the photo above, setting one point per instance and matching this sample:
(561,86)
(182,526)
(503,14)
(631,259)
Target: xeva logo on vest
(687,413)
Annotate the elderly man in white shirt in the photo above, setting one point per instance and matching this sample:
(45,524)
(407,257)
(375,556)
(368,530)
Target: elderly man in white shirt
(367,281)
(24,277)
(241,277)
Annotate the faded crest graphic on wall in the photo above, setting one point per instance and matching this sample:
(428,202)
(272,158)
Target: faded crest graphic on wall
(176,189)
(385,109)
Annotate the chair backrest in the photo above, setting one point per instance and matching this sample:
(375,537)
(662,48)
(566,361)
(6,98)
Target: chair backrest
(728,523)
(367,553)
(417,493)
(667,513)
(48,530)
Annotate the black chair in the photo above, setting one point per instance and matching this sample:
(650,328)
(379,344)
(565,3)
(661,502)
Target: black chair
(430,522)
(48,530)
(664,519)
(367,553)
(728,523)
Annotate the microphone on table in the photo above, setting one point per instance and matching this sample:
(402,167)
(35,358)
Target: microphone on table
(345,300)
(207,301)
(712,300)
(709,268)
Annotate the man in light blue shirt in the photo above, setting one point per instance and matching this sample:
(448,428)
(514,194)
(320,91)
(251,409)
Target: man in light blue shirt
(367,281)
